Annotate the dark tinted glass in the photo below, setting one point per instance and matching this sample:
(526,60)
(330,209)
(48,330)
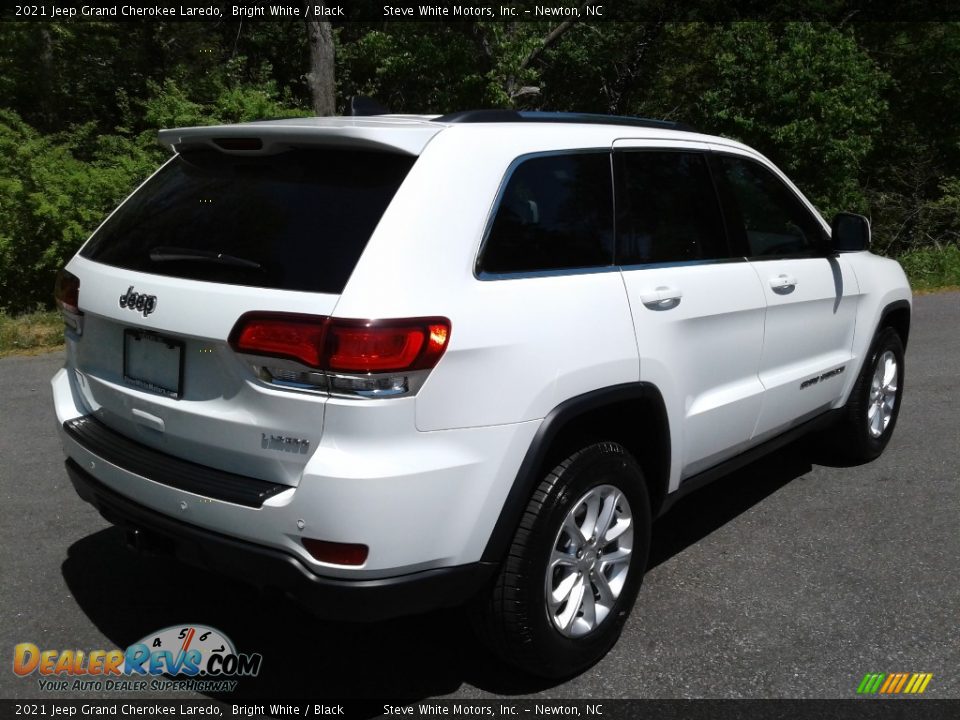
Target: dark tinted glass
(295,221)
(764,213)
(556,212)
(668,209)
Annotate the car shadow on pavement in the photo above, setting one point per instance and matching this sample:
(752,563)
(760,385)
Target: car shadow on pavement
(713,506)
(128,596)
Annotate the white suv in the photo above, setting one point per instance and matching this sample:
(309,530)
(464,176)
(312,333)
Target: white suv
(393,363)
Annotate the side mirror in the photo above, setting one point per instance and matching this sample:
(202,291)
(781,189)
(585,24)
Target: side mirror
(850,233)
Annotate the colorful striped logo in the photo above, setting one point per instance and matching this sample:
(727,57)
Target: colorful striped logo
(894,683)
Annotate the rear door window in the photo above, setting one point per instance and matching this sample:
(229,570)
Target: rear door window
(667,210)
(294,221)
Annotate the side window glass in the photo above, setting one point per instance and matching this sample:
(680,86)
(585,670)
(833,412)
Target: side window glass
(769,215)
(668,209)
(556,212)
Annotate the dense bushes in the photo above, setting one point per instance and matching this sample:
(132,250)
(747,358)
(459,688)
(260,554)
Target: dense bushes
(863,116)
(55,189)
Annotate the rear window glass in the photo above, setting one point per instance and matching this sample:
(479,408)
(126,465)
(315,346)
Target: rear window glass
(293,221)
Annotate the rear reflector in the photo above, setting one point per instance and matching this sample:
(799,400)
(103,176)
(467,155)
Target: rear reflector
(337,553)
(66,292)
(351,346)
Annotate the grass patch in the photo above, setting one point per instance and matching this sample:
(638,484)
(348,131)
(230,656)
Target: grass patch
(30,333)
(932,268)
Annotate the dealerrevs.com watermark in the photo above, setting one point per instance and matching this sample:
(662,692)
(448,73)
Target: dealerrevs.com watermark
(179,658)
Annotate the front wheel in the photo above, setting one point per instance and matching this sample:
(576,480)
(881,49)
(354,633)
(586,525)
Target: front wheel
(874,405)
(574,567)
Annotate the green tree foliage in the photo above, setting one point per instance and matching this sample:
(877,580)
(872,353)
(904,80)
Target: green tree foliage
(862,116)
(170,104)
(804,94)
(434,68)
(913,185)
(411,67)
(86,133)
(54,189)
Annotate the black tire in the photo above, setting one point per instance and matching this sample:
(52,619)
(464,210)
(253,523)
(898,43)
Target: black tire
(860,437)
(515,620)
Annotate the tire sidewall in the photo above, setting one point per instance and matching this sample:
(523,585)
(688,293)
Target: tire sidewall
(888,340)
(603,464)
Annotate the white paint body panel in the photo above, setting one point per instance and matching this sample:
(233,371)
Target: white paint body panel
(882,283)
(702,354)
(422,480)
(808,332)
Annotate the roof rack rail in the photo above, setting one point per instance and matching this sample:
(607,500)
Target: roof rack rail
(495,116)
(480,116)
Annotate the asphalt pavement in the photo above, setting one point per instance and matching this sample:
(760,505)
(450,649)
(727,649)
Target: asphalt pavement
(790,579)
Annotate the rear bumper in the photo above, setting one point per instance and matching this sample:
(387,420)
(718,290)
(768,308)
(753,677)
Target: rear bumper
(419,500)
(365,600)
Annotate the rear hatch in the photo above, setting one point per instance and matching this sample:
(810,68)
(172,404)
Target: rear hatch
(212,235)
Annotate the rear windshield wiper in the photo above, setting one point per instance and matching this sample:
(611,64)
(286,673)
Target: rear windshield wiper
(169,254)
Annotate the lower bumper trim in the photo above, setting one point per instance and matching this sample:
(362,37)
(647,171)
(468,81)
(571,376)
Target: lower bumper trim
(333,598)
(166,469)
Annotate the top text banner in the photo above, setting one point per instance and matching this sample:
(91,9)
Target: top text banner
(505,11)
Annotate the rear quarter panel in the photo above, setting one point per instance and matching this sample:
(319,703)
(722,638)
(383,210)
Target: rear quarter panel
(518,346)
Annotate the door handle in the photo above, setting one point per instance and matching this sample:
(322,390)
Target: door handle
(661,298)
(783,281)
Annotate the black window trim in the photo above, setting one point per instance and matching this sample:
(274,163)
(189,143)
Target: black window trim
(616,185)
(682,263)
(485,276)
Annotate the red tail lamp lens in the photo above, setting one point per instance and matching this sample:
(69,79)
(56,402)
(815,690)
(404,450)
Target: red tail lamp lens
(284,336)
(337,553)
(374,349)
(388,345)
(66,291)
(354,346)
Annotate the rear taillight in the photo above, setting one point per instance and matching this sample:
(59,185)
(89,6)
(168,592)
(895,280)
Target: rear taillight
(369,358)
(386,346)
(294,337)
(66,293)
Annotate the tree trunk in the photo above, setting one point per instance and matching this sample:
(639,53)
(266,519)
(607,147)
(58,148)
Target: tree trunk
(321,79)
(46,84)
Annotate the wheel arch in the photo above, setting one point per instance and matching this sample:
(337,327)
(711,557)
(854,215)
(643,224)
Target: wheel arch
(897,316)
(631,414)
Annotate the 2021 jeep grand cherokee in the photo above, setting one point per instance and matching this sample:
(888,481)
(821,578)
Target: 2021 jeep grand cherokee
(394,363)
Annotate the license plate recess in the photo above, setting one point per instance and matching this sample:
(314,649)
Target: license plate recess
(153,362)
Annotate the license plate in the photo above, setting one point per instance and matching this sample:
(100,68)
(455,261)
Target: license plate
(153,363)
